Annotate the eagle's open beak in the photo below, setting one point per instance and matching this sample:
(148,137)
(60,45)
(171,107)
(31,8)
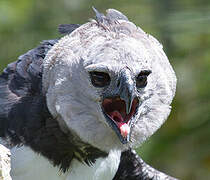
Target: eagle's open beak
(115,112)
(120,109)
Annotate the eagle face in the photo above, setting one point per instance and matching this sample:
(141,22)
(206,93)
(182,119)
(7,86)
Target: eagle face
(119,79)
(109,83)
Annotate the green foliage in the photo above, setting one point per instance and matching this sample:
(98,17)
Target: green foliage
(181,147)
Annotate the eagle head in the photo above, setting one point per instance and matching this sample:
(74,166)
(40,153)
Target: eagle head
(109,82)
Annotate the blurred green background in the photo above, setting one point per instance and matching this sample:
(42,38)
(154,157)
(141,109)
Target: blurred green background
(182,146)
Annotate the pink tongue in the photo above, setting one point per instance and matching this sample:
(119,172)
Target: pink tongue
(124,128)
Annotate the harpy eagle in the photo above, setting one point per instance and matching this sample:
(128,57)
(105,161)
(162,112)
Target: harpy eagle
(74,108)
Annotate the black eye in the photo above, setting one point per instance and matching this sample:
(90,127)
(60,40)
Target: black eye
(141,79)
(99,79)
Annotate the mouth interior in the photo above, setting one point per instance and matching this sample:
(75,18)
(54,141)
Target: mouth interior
(115,108)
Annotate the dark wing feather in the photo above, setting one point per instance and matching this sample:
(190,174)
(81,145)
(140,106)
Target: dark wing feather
(67,28)
(21,79)
(132,167)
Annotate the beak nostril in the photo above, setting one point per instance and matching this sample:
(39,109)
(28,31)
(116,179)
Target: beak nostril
(118,84)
